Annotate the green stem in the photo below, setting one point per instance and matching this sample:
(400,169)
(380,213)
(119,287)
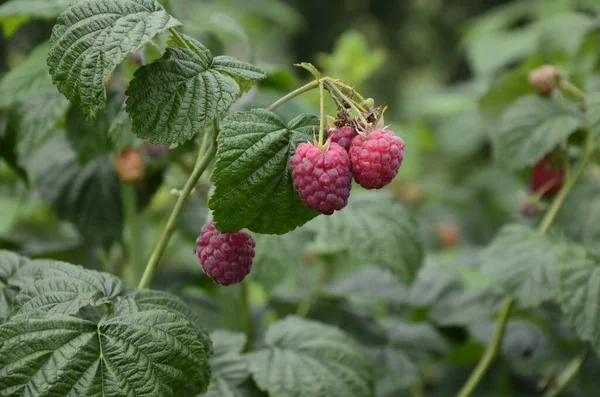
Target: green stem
(180,39)
(570,183)
(572,89)
(206,154)
(321,113)
(337,91)
(313,84)
(247,313)
(134,229)
(566,375)
(490,352)
(354,92)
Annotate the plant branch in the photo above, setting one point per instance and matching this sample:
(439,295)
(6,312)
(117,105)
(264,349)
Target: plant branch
(490,352)
(206,154)
(590,147)
(572,89)
(134,230)
(313,84)
(247,313)
(180,39)
(321,113)
(566,375)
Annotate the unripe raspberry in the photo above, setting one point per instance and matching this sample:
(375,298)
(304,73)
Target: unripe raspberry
(377,158)
(225,257)
(448,234)
(322,180)
(543,79)
(342,136)
(130,165)
(547,178)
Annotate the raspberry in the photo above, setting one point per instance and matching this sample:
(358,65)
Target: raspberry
(225,257)
(543,79)
(377,158)
(546,178)
(323,180)
(342,136)
(130,165)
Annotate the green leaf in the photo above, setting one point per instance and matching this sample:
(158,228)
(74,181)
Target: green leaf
(151,353)
(307,359)
(229,368)
(433,284)
(92,37)
(592,115)
(10,263)
(502,93)
(62,288)
(525,263)
(252,176)
(171,99)
(88,196)
(15,13)
(29,79)
(580,293)
(375,229)
(465,307)
(531,128)
(370,285)
(120,131)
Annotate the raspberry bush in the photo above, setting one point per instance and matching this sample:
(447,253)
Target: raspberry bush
(244,233)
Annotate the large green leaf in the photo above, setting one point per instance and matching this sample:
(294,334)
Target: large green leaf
(229,368)
(375,229)
(580,293)
(172,98)
(14,13)
(307,359)
(29,79)
(461,308)
(87,195)
(92,37)
(531,128)
(252,175)
(9,265)
(525,263)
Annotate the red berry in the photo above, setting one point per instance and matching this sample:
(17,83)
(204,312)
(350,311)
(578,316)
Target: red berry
(130,165)
(323,180)
(546,178)
(377,158)
(225,257)
(342,136)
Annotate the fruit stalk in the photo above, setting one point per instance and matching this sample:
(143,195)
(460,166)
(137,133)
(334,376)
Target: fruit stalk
(321,113)
(313,84)
(206,154)
(247,313)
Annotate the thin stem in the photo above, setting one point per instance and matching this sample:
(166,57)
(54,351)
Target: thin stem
(133,229)
(321,113)
(206,154)
(313,84)
(351,89)
(572,180)
(572,89)
(490,352)
(566,375)
(349,101)
(247,313)
(180,39)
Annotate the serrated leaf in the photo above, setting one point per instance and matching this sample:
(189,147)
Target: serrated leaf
(252,176)
(433,284)
(461,308)
(14,13)
(525,263)
(62,288)
(174,97)
(151,353)
(88,196)
(376,229)
(580,293)
(592,114)
(307,359)
(531,128)
(370,285)
(92,37)
(10,263)
(229,367)
(29,79)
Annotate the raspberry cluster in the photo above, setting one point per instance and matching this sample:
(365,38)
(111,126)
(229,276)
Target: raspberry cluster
(323,178)
(225,257)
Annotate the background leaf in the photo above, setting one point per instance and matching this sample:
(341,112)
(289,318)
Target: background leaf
(92,37)
(15,13)
(252,175)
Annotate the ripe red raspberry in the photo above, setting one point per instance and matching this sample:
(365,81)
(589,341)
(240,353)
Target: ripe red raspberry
(546,178)
(377,158)
(225,257)
(323,180)
(130,165)
(342,136)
